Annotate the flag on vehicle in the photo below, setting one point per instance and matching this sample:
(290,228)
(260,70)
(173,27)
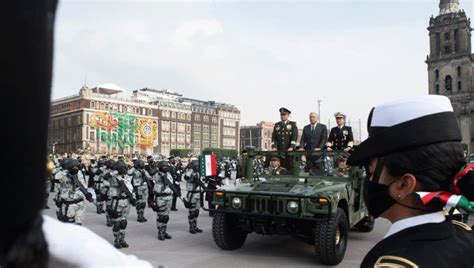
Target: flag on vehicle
(208,165)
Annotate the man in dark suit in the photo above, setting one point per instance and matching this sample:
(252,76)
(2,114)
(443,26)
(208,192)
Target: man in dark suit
(341,137)
(285,133)
(315,135)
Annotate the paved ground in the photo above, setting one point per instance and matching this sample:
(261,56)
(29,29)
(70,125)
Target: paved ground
(187,250)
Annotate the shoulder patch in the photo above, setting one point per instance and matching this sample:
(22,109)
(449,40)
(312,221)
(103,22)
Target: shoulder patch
(462,225)
(394,262)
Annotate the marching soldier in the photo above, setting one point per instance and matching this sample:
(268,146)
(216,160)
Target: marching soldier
(162,195)
(341,137)
(175,171)
(285,133)
(120,199)
(97,177)
(140,188)
(193,186)
(71,195)
(104,190)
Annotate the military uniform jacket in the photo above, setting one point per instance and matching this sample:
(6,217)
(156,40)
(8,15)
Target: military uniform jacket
(284,135)
(340,138)
(446,244)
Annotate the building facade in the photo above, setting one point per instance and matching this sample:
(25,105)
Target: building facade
(98,120)
(450,63)
(258,136)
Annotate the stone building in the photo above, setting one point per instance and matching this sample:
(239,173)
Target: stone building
(150,121)
(258,136)
(450,63)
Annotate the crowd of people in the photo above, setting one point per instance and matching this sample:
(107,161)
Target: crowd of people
(114,185)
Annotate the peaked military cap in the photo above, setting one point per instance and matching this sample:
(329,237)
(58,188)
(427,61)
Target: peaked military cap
(339,115)
(284,111)
(404,124)
(275,158)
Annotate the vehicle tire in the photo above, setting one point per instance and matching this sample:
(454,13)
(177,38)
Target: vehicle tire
(226,235)
(366,225)
(330,238)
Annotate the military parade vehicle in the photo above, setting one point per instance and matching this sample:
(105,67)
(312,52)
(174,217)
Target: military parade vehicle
(318,202)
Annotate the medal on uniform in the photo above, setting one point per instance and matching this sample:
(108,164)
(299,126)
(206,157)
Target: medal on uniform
(277,128)
(288,127)
(345,132)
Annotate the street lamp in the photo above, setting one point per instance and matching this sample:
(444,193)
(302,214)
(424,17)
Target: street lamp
(319,108)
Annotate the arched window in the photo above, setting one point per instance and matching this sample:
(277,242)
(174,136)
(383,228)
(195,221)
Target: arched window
(448,83)
(436,74)
(459,85)
(459,70)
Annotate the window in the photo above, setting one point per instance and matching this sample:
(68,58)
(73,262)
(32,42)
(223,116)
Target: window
(188,127)
(213,137)
(206,118)
(197,127)
(437,88)
(447,49)
(438,44)
(197,117)
(205,135)
(436,74)
(213,129)
(205,144)
(459,70)
(448,83)
(447,36)
(173,126)
(459,85)
(165,125)
(197,135)
(197,144)
(92,104)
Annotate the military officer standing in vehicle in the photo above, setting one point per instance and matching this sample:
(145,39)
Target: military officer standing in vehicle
(140,188)
(162,195)
(193,186)
(341,137)
(285,132)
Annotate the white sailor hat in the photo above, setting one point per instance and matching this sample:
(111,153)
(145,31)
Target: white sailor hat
(407,123)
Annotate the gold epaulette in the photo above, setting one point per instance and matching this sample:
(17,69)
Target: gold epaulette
(462,225)
(394,262)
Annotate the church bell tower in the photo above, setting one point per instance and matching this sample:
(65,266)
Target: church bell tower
(450,63)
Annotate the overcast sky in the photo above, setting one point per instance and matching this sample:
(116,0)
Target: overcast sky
(257,55)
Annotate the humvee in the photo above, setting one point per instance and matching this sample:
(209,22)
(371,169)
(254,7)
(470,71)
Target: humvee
(318,205)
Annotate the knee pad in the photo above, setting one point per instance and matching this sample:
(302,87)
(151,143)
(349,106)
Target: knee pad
(123,224)
(190,217)
(116,227)
(194,213)
(142,205)
(162,218)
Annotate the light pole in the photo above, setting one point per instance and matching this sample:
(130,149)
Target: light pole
(319,109)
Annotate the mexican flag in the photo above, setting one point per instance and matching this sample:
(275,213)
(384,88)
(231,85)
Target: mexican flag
(208,165)
(446,198)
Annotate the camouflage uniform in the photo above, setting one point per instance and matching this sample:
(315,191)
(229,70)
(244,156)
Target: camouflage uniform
(71,198)
(162,202)
(140,188)
(119,203)
(104,190)
(193,186)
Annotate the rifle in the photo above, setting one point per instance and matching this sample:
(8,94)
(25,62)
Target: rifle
(83,189)
(127,192)
(171,185)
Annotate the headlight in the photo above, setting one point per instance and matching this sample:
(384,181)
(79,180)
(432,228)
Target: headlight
(236,203)
(292,207)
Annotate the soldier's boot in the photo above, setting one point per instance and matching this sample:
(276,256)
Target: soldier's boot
(98,209)
(139,216)
(196,229)
(123,243)
(166,235)
(142,215)
(161,234)
(191,227)
(117,240)
(173,204)
(109,221)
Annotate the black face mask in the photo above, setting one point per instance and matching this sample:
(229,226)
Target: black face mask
(74,171)
(376,195)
